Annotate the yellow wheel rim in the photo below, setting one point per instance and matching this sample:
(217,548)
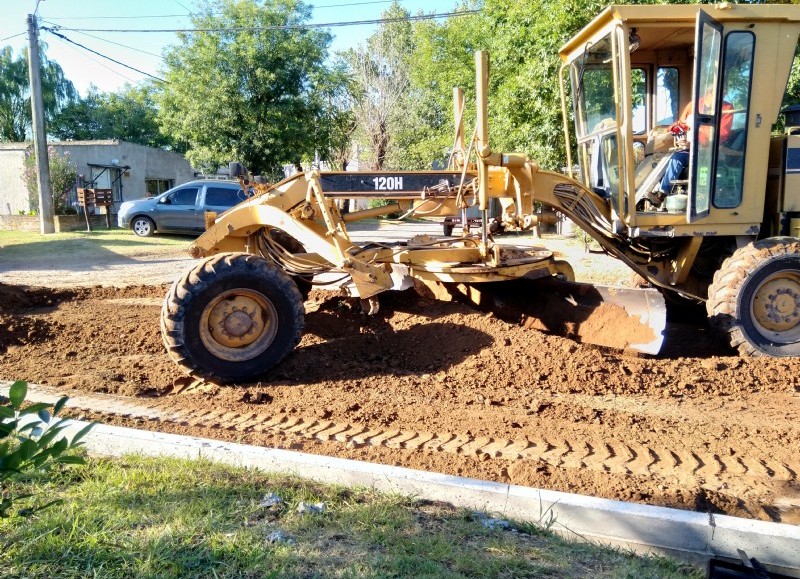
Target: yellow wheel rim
(776,307)
(238,325)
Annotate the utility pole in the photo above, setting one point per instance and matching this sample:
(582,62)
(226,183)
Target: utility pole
(39,136)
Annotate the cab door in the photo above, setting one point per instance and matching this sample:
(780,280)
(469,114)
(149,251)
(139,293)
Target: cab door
(705,116)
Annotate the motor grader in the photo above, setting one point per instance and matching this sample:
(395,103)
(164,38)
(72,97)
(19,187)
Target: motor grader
(725,234)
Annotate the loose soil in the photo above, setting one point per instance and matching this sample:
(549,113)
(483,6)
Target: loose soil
(696,428)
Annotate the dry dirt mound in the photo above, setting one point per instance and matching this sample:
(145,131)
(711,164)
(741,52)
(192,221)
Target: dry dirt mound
(444,387)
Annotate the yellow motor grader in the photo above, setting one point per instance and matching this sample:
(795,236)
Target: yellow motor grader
(724,233)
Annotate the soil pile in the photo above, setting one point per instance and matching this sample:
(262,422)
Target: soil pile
(696,428)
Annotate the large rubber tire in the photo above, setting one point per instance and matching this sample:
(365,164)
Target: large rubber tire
(232,318)
(447,229)
(755,298)
(143,226)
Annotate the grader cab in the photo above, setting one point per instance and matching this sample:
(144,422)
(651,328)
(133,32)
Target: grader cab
(713,236)
(725,231)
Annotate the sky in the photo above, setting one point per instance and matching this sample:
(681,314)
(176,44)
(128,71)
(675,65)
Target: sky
(143,50)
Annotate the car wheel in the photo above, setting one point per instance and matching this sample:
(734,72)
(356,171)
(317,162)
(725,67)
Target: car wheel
(447,229)
(143,226)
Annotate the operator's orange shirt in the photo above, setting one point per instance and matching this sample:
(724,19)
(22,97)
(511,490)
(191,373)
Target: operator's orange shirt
(725,125)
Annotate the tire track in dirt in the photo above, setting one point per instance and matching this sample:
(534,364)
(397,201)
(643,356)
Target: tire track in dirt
(607,456)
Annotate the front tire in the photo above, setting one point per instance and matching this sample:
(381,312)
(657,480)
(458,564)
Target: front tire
(143,226)
(755,298)
(232,318)
(447,229)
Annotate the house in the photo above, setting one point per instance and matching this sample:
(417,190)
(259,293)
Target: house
(131,171)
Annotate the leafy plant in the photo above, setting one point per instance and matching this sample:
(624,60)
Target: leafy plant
(29,441)
(63,174)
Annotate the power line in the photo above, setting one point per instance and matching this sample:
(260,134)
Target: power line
(59,35)
(57,27)
(152,16)
(12,36)
(97,61)
(281,27)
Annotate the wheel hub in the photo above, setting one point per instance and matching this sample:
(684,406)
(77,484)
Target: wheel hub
(238,324)
(776,304)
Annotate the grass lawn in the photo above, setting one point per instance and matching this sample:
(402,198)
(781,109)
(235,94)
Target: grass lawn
(138,517)
(16,244)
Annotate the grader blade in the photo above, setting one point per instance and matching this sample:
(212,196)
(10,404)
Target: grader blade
(621,318)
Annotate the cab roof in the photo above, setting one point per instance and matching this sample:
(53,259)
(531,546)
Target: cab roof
(676,19)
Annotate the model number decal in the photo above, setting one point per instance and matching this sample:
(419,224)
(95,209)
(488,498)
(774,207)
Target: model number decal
(388,183)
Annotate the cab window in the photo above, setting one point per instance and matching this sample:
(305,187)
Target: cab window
(639,100)
(737,71)
(667,96)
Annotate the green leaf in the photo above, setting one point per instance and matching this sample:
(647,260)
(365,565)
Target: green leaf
(44,416)
(60,446)
(48,436)
(17,393)
(12,461)
(83,432)
(6,428)
(59,405)
(30,426)
(34,408)
(6,412)
(28,449)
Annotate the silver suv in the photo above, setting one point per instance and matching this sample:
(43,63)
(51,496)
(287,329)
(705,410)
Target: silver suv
(181,209)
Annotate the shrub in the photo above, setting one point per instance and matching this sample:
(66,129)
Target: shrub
(29,441)
(63,174)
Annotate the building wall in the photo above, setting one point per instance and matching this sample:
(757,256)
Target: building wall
(144,162)
(13,193)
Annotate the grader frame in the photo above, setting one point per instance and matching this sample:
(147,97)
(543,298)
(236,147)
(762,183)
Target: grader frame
(239,312)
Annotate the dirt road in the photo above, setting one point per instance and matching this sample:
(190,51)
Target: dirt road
(442,387)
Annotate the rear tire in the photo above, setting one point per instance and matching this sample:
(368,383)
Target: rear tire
(232,318)
(755,298)
(447,229)
(143,226)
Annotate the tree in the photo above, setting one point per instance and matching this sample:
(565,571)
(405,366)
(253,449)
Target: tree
(129,115)
(242,91)
(442,59)
(63,175)
(15,102)
(380,73)
(335,122)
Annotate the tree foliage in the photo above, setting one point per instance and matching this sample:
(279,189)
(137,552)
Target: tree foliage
(443,58)
(63,175)
(129,115)
(335,121)
(243,92)
(15,97)
(380,72)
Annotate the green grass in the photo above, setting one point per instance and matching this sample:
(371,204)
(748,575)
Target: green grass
(22,244)
(138,517)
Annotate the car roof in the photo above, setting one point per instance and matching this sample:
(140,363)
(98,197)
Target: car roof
(200,182)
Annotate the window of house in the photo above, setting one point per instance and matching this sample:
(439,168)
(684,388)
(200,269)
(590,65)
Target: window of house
(158,186)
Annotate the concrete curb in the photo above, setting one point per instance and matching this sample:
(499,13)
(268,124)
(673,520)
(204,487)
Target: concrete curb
(645,529)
